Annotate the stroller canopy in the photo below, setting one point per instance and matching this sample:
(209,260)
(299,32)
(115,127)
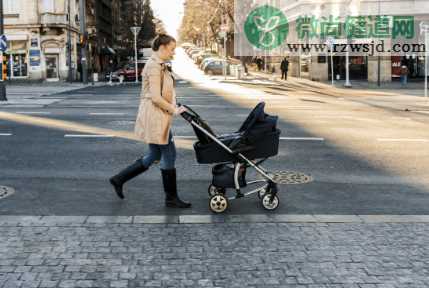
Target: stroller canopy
(257,114)
(258,121)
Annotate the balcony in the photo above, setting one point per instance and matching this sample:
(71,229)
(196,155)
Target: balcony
(51,19)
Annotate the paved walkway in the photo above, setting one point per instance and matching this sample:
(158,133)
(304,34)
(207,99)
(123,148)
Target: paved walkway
(390,96)
(38,94)
(95,252)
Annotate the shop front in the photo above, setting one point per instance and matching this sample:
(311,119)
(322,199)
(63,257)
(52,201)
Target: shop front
(17,57)
(358,67)
(414,63)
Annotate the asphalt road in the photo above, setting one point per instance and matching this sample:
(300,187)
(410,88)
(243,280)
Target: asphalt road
(363,159)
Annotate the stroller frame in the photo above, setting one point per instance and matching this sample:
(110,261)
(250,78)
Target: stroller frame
(267,192)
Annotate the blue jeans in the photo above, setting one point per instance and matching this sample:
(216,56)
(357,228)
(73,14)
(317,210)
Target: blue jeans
(165,153)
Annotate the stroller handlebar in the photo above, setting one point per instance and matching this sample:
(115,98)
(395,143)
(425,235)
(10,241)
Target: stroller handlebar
(190,114)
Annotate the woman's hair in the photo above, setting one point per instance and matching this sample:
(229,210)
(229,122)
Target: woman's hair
(161,39)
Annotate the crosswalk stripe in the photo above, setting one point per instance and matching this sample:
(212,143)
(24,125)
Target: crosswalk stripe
(33,112)
(302,139)
(106,113)
(87,136)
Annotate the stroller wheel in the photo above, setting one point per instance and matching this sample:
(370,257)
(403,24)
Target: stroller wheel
(270,204)
(213,190)
(218,203)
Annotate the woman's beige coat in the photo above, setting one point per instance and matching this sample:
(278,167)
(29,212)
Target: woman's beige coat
(155,114)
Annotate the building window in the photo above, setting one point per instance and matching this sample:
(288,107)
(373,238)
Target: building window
(10,6)
(48,6)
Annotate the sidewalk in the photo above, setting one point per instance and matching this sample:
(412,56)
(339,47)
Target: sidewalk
(124,252)
(390,96)
(37,94)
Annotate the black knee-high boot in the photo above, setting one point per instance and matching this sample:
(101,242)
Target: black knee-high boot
(128,173)
(170,188)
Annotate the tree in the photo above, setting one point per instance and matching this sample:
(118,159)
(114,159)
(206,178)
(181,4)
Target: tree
(148,31)
(204,17)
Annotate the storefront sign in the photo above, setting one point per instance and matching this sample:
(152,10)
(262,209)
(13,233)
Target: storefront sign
(34,57)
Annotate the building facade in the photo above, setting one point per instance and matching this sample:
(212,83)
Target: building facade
(38,33)
(360,67)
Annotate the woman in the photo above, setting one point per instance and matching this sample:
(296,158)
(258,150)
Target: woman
(154,119)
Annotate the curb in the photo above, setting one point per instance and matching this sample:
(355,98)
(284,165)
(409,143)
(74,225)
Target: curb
(8,220)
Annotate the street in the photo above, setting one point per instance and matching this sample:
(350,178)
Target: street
(361,221)
(363,159)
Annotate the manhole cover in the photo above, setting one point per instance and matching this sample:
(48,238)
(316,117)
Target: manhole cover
(6,191)
(291,177)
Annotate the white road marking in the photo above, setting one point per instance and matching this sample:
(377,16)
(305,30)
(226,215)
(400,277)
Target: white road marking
(106,113)
(197,97)
(281,138)
(286,107)
(5,134)
(401,140)
(87,136)
(33,112)
(185,137)
(302,139)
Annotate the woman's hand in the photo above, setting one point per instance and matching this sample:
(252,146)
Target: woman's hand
(179,110)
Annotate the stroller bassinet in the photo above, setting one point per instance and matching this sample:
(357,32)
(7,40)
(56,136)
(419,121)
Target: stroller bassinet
(258,137)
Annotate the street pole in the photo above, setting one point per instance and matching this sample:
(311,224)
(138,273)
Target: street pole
(2,86)
(136,31)
(378,58)
(347,84)
(69,45)
(330,42)
(84,62)
(332,67)
(424,28)
(136,56)
(426,62)
(224,65)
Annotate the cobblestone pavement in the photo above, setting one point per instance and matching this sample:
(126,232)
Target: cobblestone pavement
(312,255)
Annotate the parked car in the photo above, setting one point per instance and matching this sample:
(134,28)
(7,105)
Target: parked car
(129,71)
(208,60)
(187,45)
(196,55)
(190,49)
(216,67)
(204,56)
(193,52)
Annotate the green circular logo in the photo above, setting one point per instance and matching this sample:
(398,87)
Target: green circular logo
(266,27)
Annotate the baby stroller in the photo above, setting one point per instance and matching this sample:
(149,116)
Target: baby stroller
(255,141)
